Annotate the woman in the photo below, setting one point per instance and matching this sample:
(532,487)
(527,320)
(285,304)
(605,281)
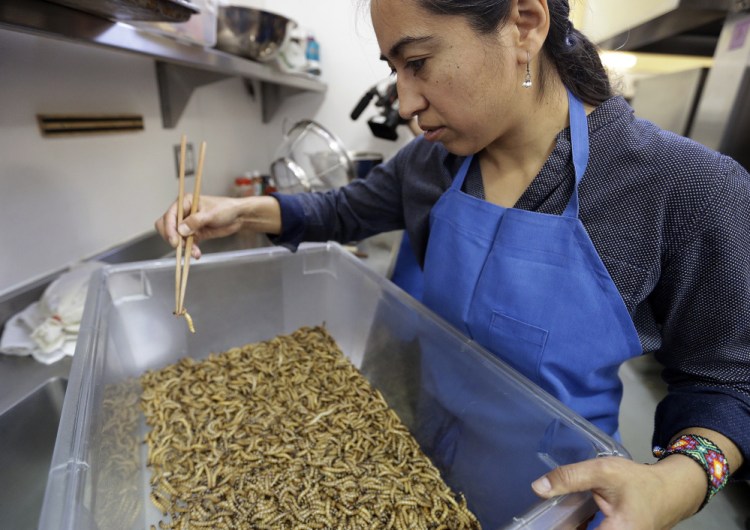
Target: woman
(572,236)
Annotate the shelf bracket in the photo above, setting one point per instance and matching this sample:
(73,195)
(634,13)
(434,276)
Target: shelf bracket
(272,96)
(176,86)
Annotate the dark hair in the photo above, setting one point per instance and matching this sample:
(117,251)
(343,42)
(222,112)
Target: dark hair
(570,52)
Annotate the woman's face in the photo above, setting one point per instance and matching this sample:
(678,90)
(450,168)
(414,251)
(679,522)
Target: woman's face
(459,84)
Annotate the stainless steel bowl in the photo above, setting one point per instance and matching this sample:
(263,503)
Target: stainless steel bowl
(253,33)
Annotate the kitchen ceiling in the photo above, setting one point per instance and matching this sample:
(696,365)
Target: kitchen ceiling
(685,27)
(697,40)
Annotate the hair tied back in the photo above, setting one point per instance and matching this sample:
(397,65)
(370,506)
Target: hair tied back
(569,35)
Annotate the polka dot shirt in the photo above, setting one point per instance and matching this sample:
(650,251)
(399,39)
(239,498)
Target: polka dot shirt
(669,218)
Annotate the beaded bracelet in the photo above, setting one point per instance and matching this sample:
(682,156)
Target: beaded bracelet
(707,454)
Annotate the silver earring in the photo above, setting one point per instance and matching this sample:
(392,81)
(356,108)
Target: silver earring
(527,82)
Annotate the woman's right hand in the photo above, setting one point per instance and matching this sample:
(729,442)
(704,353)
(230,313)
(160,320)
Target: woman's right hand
(219,217)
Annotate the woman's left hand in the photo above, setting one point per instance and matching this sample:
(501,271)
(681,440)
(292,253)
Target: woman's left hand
(632,495)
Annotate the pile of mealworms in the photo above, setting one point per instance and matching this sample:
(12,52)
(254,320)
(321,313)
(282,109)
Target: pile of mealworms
(286,434)
(119,454)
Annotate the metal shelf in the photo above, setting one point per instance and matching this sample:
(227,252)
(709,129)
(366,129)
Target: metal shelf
(181,67)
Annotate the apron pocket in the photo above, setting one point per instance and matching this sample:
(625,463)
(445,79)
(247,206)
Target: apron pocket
(519,344)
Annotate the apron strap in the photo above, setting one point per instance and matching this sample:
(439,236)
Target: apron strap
(579,139)
(460,177)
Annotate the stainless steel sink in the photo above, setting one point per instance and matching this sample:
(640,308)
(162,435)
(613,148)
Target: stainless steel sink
(27,438)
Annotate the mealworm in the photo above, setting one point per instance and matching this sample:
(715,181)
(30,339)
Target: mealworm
(286,434)
(189,319)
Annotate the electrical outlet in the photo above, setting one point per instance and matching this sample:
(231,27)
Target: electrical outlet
(189,160)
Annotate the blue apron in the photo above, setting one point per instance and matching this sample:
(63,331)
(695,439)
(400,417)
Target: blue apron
(531,288)
(407,273)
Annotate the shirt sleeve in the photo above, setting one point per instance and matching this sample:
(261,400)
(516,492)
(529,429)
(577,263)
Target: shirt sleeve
(364,207)
(703,303)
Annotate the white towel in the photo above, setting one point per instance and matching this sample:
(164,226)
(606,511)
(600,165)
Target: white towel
(48,329)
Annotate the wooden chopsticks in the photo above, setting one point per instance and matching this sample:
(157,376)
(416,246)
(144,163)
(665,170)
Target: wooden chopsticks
(182,267)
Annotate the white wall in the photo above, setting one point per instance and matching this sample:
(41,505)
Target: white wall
(62,200)
(350,64)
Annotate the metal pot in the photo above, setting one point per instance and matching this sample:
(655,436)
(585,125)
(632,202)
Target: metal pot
(364,161)
(253,33)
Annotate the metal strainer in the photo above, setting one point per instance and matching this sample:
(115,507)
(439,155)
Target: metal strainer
(311,158)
